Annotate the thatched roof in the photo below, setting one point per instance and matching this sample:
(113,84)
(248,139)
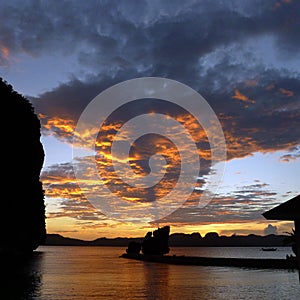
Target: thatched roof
(289,210)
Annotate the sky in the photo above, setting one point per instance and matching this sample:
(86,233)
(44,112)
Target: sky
(242,56)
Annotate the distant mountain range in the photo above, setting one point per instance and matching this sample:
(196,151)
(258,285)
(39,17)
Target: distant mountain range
(178,240)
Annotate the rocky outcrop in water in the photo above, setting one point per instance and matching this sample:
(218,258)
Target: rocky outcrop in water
(22,221)
(157,242)
(154,243)
(134,247)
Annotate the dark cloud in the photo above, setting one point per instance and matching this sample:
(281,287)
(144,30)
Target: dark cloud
(121,42)
(38,24)
(243,205)
(258,105)
(291,157)
(218,48)
(165,38)
(268,123)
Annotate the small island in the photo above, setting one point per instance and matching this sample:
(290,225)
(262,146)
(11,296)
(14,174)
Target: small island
(155,246)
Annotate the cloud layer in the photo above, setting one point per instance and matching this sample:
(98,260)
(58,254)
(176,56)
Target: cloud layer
(241,56)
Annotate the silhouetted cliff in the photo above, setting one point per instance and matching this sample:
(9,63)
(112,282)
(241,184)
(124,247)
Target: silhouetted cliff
(179,240)
(214,240)
(22,222)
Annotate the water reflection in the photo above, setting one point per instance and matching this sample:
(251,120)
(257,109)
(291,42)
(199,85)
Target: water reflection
(90,273)
(21,278)
(156,280)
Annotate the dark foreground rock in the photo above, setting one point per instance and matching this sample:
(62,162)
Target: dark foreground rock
(22,219)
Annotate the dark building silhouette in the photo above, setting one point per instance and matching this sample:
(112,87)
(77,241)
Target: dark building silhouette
(22,221)
(288,211)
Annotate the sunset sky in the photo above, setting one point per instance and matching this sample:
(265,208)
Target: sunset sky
(243,57)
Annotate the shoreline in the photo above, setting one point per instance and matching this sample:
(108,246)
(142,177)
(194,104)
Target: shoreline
(256,263)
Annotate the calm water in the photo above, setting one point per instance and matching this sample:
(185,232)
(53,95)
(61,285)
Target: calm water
(83,273)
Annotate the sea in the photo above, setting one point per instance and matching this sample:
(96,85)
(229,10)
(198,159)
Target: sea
(84,273)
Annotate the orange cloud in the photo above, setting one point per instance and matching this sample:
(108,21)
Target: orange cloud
(64,129)
(238,146)
(280,3)
(239,96)
(63,125)
(251,82)
(242,146)
(270,87)
(290,158)
(4,52)
(4,55)
(286,92)
(61,186)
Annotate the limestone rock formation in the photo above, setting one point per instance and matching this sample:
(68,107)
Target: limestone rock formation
(134,248)
(157,242)
(154,243)
(22,221)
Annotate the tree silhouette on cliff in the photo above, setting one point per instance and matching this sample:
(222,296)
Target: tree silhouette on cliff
(22,220)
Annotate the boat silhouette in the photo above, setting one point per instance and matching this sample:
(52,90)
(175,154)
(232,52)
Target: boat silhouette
(268,249)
